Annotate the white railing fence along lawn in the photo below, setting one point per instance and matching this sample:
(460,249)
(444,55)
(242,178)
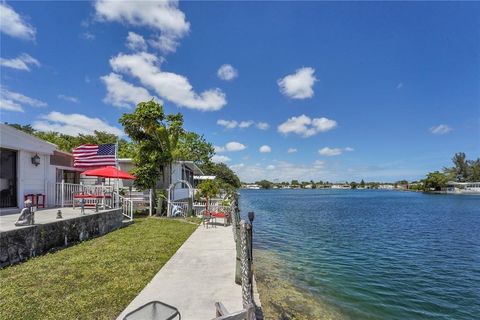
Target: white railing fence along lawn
(61,194)
(64,192)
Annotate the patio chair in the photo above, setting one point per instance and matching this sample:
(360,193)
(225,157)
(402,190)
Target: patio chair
(154,310)
(219,212)
(223,314)
(207,218)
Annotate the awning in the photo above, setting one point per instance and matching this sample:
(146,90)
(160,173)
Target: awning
(204,177)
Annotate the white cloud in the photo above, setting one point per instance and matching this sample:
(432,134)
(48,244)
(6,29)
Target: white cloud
(271,167)
(14,101)
(218,159)
(171,86)
(232,124)
(265,149)
(22,62)
(263,125)
(14,25)
(73,124)
(245,124)
(318,164)
(291,150)
(136,42)
(329,152)
(306,127)
(68,98)
(164,43)
(9,105)
(88,35)
(163,17)
(229,124)
(298,85)
(440,129)
(234,146)
(219,149)
(235,166)
(123,94)
(227,72)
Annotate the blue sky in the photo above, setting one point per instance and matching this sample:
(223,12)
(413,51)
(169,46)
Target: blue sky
(310,90)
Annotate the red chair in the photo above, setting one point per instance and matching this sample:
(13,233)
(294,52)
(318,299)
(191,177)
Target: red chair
(40,200)
(222,214)
(32,198)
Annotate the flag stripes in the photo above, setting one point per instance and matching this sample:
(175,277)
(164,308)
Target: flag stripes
(92,155)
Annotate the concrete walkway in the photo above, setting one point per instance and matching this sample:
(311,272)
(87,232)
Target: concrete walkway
(200,273)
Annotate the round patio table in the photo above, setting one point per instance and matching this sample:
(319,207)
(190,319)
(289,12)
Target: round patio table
(154,310)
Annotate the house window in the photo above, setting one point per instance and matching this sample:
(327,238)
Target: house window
(68,176)
(187,175)
(8,178)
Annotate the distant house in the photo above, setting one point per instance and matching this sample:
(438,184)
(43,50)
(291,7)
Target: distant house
(29,165)
(341,186)
(386,187)
(251,186)
(463,187)
(178,170)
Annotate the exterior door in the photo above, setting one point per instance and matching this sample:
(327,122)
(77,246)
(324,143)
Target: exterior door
(8,178)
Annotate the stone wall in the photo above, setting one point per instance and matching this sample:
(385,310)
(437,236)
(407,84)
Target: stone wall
(21,244)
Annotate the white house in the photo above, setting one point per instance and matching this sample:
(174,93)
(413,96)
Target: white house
(29,165)
(178,170)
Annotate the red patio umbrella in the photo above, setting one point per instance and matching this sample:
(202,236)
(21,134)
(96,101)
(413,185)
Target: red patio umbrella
(109,172)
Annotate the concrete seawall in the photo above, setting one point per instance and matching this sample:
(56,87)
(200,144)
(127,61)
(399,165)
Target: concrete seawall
(21,243)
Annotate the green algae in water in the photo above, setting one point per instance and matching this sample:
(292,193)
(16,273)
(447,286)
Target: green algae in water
(281,299)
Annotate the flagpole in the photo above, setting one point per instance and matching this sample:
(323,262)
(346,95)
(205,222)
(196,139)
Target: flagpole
(116,166)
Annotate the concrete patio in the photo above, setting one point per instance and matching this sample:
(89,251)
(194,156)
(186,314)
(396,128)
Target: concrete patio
(200,273)
(44,216)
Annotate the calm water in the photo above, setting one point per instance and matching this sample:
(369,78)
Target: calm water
(375,254)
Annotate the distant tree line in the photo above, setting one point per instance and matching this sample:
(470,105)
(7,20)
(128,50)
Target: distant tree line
(463,170)
(296,184)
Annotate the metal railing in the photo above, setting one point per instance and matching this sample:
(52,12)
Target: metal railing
(179,209)
(64,192)
(127,206)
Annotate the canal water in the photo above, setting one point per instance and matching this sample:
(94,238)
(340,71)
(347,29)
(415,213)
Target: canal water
(365,254)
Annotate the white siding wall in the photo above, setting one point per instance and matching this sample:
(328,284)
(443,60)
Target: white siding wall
(31,178)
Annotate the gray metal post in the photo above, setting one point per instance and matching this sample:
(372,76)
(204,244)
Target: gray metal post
(63,193)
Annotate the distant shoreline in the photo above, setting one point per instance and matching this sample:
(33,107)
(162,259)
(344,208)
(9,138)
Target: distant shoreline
(357,189)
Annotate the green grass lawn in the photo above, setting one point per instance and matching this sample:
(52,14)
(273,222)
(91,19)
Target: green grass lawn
(95,279)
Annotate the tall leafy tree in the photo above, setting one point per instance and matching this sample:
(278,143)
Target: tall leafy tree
(192,146)
(224,174)
(436,181)
(474,170)
(156,136)
(460,168)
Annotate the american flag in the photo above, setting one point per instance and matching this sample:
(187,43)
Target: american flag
(92,155)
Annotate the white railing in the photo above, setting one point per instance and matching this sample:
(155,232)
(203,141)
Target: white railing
(126,205)
(64,192)
(214,205)
(178,209)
